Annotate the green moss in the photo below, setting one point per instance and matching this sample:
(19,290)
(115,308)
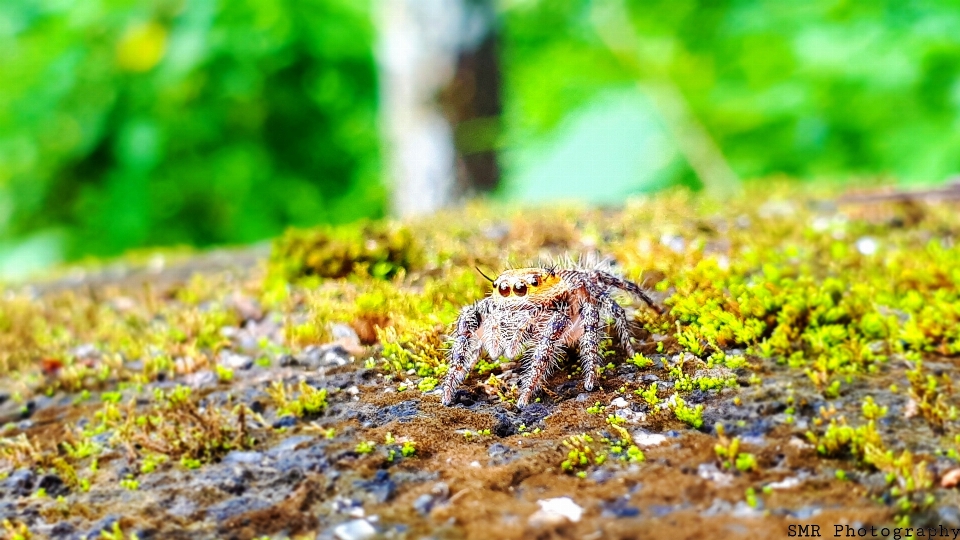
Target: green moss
(729,454)
(309,401)
(689,415)
(365,447)
(427,384)
(377,249)
(596,408)
(649,394)
(640,361)
(176,427)
(932,395)
(116,533)
(840,437)
(580,453)
(16,531)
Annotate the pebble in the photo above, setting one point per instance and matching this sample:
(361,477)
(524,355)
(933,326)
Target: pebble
(554,512)
(647,439)
(357,529)
(235,506)
(786,483)
(718,507)
(949,516)
(742,509)
(200,379)
(619,508)
(62,529)
(660,510)
(52,484)
(239,456)
(709,471)
(351,507)
(950,479)
(797,442)
(289,444)
(806,512)
(426,502)
(284,422)
(381,486)
(236,481)
(601,475)
(402,412)
(19,483)
(236,361)
(867,245)
(336,355)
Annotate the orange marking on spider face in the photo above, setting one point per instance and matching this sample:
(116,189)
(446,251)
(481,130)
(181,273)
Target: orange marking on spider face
(537,284)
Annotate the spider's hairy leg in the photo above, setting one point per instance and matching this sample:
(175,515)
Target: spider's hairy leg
(543,357)
(611,280)
(590,345)
(518,334)
(621,324)
(465,350)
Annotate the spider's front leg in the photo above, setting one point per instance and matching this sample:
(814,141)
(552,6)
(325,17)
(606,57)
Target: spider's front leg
(465,350)
(543,357)
(590,344)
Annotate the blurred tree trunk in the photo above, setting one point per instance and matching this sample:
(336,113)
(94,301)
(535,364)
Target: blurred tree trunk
(439,100)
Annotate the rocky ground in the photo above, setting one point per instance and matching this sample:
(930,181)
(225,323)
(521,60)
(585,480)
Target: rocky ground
(801,375)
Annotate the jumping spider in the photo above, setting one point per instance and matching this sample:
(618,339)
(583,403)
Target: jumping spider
(545,308)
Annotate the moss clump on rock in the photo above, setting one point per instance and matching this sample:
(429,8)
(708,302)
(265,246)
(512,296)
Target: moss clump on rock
(380,249)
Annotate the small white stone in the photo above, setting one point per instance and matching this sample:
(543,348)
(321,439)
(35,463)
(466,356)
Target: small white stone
(619,403)
(357,529)
(709,471)
(867,245)
(797,442)
(357,512)
(786,483)
(820,224)
(556,511)
(673,241)
(642,438)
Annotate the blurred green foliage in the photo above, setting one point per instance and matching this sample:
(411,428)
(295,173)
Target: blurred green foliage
(824,88)
(199,122)
(184,121)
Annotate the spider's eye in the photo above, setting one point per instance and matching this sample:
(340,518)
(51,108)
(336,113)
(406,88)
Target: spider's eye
(535,281)
(520,289)
(504,289)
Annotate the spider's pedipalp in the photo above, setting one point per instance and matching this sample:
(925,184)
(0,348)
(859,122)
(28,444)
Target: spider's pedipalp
(466,348)
(543,357)
(590,344)
(611,280)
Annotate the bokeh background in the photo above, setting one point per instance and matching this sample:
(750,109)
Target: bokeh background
(126,124)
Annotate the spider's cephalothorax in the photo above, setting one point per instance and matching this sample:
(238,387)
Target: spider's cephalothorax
(537,311)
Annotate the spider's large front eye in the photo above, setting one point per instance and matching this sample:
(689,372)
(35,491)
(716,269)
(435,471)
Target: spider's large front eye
(504,289)
(520,289)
